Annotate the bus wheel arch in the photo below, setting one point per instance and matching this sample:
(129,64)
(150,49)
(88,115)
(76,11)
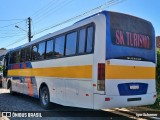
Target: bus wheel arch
(44,96)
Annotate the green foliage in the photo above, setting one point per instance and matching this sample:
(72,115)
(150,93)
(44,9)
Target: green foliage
(158,72)
(1,68)
(157,103)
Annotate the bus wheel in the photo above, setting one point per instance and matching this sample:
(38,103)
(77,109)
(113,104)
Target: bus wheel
(10,88)
(9,84)
(44,97)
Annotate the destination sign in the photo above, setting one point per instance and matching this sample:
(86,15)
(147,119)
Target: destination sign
(130,39)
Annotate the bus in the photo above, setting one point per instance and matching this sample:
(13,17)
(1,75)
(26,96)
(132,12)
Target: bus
(1,69)
(105,60)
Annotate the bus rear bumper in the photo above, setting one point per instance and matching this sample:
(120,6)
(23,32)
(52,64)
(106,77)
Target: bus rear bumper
(104,101)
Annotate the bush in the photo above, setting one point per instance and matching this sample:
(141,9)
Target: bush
(158,72)
(1,68)
(157,103)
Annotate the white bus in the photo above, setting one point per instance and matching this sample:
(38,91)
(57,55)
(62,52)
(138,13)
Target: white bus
(106,60)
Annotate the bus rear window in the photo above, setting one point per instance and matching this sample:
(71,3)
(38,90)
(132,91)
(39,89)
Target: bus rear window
(130,31)
(130,38)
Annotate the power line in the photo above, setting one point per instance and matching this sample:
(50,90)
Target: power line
(49,12)
(33,28)
(50,9)
(12,36)
(16,42)
(43,8)
(108,4)
(10,20)
(14,30)
(11,33)
(11,24)
(47,9)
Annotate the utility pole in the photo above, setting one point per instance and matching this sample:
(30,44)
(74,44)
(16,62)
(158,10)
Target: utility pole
(29,29)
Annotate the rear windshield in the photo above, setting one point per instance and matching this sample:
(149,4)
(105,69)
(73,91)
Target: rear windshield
(130,31)
(130,37)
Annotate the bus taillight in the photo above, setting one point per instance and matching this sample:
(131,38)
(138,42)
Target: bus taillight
(101,77)
(154,96)
(107,99)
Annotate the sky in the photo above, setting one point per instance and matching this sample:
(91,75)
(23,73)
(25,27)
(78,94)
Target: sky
(49,13)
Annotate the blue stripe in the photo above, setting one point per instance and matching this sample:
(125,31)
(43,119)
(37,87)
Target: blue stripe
(28,65)
(21,65)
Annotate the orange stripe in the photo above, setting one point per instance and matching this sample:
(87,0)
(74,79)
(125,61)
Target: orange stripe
(30,86)
(24,66)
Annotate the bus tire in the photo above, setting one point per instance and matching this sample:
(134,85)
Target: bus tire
(10,88)
(45,97)
(9,84)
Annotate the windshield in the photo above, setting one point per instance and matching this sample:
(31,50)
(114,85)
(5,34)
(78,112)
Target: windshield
(130,38)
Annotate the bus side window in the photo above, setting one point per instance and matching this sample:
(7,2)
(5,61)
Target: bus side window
(59,46)
(34,52)
(17,56)
(49,49)
(89,39)
(82,41)
(41,51)
(71,41)
(12,57)
(28,54)
(22,58)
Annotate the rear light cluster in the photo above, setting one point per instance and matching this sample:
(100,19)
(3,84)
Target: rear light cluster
(154,96)
(107,99)
(101,77)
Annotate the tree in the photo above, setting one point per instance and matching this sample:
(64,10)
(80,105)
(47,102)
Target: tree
(1,68)
(2,48)
(158,71)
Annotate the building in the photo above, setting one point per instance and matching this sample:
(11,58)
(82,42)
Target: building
(3,51)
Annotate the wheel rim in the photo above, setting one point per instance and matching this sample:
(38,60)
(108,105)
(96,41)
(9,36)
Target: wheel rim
(44,97)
